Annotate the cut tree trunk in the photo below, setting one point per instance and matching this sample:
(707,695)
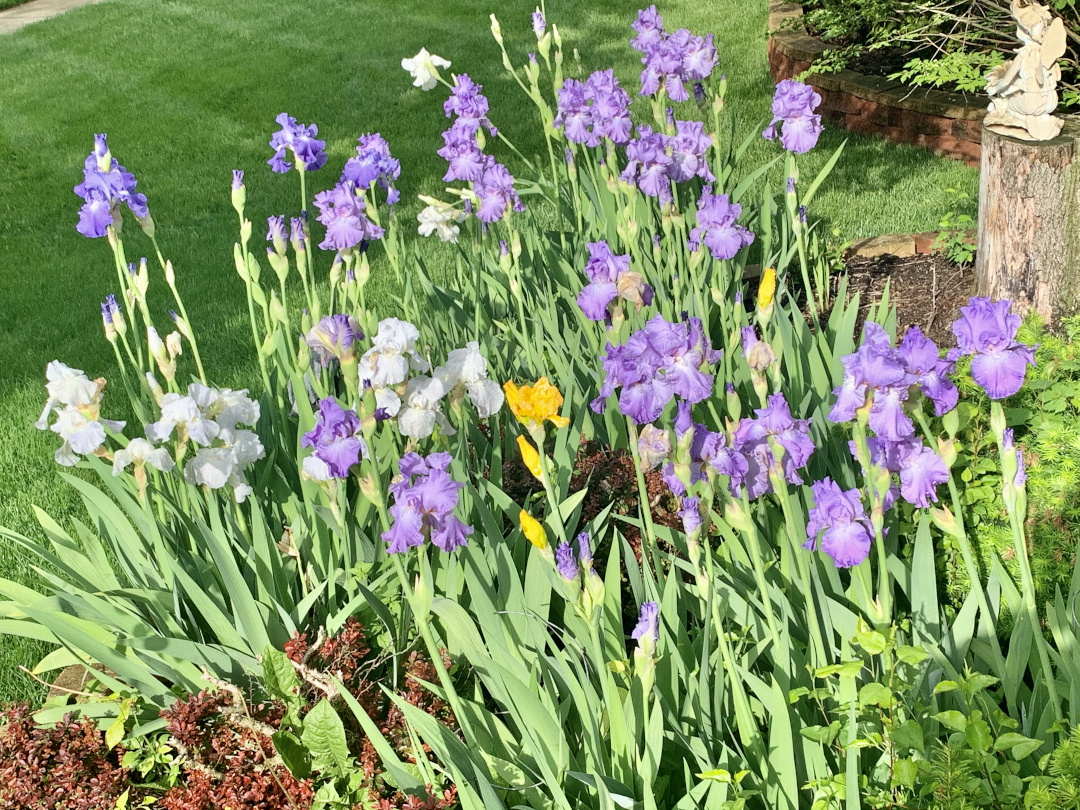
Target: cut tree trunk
(1029,223)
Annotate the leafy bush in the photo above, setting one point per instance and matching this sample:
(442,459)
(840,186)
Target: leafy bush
(944,43)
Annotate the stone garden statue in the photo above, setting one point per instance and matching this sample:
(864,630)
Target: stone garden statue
(1022,91)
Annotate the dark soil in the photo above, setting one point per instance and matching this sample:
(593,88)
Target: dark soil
(927,290)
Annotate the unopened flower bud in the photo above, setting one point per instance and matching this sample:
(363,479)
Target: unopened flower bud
(239,193)
(238,262)
(155,388)
(170,273)
(947,451)
(279,262)
(496,30)
(147,224)
(277,311)
(142,278)
(245,231)
(534,531)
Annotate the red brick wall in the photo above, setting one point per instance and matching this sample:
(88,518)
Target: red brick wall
(953,137)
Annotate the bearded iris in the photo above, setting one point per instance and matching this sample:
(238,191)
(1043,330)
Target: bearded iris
(308,152)
(987,330)
(718,226)
(106,184)
(655,364)
(610,278)
(672,61)
(596,109)
(335,440)
(838,524)
(424,503)
(793,110)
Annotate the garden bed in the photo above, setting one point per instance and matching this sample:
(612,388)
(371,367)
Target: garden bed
(949,124)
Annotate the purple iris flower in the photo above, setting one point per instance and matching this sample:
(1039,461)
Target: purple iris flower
(699,59)
(876,370)
(597,109)
(341,210)
(610,277)
(674,60)
(688,149)
(106,184)
(691,515)
(838,524)
(920,473)
(663,66)
(237,179)
(495,190)
(308,152)
(573,115)
(793,109)
(707,448)
(334,438)
(649,160)
(610,110)
(468,103)
(649,27)
(988,330)
(657,363)
(462,151)
(920,469)
(751,440)
(333,338)
(565,562)
(718,226)
(424,502)
(539,24)
(923,360)
(373,164)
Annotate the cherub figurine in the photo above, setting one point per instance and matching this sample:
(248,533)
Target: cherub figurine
(1022,91)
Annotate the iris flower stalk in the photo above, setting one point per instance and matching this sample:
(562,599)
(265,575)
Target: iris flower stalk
(876,491)
(959,532)
(800,232)
(1015,497)
(419,595)
(795,528)
(170,278)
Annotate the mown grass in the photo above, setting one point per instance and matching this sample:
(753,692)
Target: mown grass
(188,89)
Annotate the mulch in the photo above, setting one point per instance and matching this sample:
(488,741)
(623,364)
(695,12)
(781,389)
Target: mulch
(927,290)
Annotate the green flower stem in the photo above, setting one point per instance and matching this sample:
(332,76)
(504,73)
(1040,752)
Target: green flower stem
(424,626)
(183,311)
(537,435)
(758,560)
(885,595)
(986,621)
(643,489)
(802,558)
(1014,505)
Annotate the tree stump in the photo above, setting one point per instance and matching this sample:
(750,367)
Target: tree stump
(1029,222)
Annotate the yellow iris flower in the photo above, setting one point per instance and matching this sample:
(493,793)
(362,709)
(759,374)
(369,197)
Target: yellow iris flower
(532,404)
(533,530)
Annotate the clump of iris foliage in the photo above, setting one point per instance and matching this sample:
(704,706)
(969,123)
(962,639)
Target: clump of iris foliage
(789,649)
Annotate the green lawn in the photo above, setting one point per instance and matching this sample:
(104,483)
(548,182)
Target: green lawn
(188,89)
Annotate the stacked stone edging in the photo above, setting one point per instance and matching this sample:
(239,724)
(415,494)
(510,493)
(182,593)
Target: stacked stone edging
(947,123)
